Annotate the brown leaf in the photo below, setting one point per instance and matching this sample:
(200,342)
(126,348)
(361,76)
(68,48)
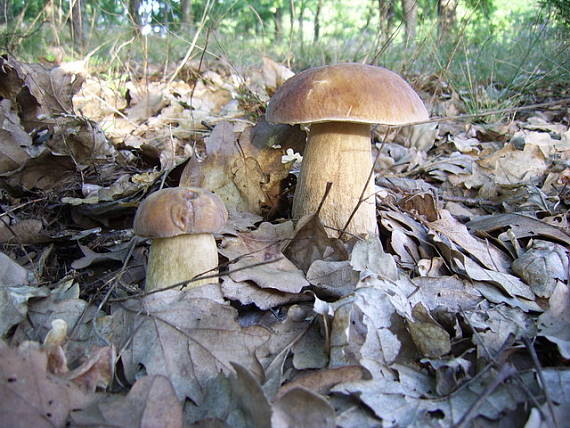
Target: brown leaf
(274,75)
(430,338)
(520,225)
(186,338)
(421,204)
(148,105)
(511,166)
(46,172)
(333,278)
(311,242)
(40,90)
(322,381)
(246,177)
(264,246)
(264,298)
(96,372)
(15,140)
(302,408)
(151,402)
(27,231)
(32,397)
(484,252)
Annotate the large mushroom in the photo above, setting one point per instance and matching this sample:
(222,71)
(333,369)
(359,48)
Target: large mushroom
(338,104)
(180,221)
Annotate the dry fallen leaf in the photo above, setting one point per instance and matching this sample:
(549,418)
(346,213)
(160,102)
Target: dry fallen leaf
(262,248)
(151,402)
(302,408)
(311,242)
(31,396)
(554,323)
(185,337)
(431,338)
(245,176)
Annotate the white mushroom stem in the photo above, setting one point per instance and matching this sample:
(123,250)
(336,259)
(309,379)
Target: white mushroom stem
(177,259)
(338,152)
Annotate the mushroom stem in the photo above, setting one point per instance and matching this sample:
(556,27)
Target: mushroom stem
(180,258)
(338,152)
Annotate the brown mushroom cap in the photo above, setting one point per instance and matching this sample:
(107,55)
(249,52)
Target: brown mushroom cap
(346,93)
(178,211)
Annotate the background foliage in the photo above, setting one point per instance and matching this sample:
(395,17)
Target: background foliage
(510,47)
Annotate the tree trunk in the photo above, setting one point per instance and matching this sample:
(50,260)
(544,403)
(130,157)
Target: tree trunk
(77,33)
(186,18)
(317,24)
(385,17)
(3,11)
(300,22)
(446,16)
(369,14)
(278,23)
(291,20)
(410,8)
(134,15)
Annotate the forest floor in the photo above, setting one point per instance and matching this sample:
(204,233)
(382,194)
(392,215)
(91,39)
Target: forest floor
(458,314)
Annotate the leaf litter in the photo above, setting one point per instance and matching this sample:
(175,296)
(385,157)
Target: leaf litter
(456,315)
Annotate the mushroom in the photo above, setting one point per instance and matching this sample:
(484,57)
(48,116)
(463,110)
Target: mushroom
(338,104)
(180,221)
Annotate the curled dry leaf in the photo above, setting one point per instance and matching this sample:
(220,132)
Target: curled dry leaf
(262,248)
(554,323)
(235,400)
(521,226)
(15,292)
(511,166)
(484,252)
(151,402)
(246,176)
(96,372)
(431,338)
(311,242)
(274,74)
(542,266)
(264,298)
(16,143)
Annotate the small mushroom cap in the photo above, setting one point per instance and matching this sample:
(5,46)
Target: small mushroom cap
(346,93)
(178,211)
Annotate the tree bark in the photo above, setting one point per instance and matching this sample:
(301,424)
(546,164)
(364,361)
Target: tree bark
(278,23)
(446,17)
(134,15)
(300,22)
(77,33)
(317,24)
(410,8)
(186,18)
(385,17)
(3,11)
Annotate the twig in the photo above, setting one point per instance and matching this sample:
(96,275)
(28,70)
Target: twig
(484,113)
(196,278)
(325,195)
(506,371)
(538,366)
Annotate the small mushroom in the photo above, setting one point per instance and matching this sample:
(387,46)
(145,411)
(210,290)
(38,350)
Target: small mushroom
(338,104)
(180,221)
